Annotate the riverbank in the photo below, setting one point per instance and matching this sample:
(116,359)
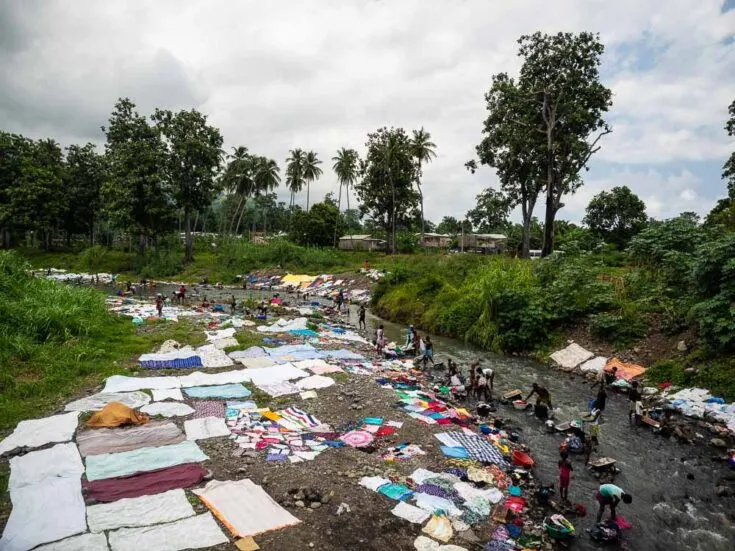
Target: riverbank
(353,397)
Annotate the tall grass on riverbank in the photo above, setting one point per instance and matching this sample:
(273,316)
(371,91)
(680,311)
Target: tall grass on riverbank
(56,339)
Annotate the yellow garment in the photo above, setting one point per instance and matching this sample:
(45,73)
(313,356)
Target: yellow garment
(116,414)
(439,528)
(480,475)
(247,544)
(272,415)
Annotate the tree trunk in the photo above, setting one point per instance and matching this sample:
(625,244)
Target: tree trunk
(339,206)
(196,221)
(308,188)
(421,195)
(141,244)
(237,228)
(548,245)
(189,253)
(234,214)
(393,214)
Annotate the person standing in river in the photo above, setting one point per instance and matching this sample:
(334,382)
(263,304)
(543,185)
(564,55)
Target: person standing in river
(361,318)
(565,475)
(610,495)
(159,305)
(233,305)
(428,352)
(635,405)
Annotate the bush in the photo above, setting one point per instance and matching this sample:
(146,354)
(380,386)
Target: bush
(622,328)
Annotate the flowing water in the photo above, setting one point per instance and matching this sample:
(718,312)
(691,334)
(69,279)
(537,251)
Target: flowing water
(673,485)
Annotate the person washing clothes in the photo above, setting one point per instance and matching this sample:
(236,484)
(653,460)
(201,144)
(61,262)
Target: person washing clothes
(409,336)
(380,339)
(482,385)
(428,352)
(610,495)
(361,318)
(159,304)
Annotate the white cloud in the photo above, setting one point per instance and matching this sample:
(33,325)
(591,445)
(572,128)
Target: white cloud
(321,74)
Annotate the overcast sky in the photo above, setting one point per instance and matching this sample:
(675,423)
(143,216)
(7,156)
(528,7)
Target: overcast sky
(275,75)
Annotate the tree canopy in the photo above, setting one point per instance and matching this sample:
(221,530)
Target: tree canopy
(616,215)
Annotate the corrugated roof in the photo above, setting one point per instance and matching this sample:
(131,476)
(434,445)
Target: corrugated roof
(355,237)
(490,235)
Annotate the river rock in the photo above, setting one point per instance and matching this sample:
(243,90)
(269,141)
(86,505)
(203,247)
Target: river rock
(299,503)
(681,346)
(718,443)
(722,491)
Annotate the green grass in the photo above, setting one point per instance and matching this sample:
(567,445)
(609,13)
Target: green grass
(56,340)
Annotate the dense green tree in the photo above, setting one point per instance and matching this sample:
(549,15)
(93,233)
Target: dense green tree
(14,151)
(561,73)
(315,227)
(83,179)
(491,212)
(616,215)
(136,195)
(347,167)
(238,180)
(451,226)
(423,151)
(386,191)
(193,158)
(311,172)
(723,213)
(511,146)
(295,173)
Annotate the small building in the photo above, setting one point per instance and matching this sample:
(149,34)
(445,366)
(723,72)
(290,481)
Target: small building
(435,240)
(360,243)
(486,243)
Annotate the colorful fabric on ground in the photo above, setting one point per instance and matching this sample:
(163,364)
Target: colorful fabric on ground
(156,433)
(208,408)
(357,438)
(175,363)
(244,507)
(398,492)
(154,482)
(116,414)
(112,465)
(479,448)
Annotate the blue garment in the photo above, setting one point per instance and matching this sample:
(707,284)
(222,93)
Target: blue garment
(219,391)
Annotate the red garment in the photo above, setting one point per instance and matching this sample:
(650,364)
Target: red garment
(144,484)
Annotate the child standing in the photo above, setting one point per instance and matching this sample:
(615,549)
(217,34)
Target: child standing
(565,475)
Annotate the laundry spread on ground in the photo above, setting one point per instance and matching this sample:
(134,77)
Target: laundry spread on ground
(104,440)
(244,507)
(116,414)
(205,427)
(167,409)
(195,532)
(208,408)
(85,542)
(571,356)
(111,465)
(218,391)
(46,492)
(159,395)
(150,483)
(98,401)
(183,358)
(315,382)
(35,433)
(627,371)
(140,511)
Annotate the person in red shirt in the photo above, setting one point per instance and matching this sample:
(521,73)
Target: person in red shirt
(182,293)
(565,476)
(159,305)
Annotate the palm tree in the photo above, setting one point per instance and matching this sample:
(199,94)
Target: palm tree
(238,180)
(346,168)
(295,173)
(311,172)
(267,178)
(422,150)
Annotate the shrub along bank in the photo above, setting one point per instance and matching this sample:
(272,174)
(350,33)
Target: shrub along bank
(679,276)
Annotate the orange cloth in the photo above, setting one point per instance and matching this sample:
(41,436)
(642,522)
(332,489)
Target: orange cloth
(625,371)
(116,414)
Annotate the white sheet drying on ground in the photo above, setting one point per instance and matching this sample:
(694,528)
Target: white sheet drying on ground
(177,354)
(221,344)
(85,542)
(190,533)
(373,482)
(61,461)
(314,382)
(468,492)
(122,383)
(247,509)
(275,374)
(205,427)
(318,367)
(255,363)
(283,388)
(109,465)
(49,510)
(139,511)
(595,365)
(213,357)
(211,379)
(34,433)
(571,356)
(348,336)
(220,334)
(282,325)
(167,409)
(167,394)
(98,401)
(410,513)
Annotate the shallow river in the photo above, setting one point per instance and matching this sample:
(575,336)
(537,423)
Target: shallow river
(673,485)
